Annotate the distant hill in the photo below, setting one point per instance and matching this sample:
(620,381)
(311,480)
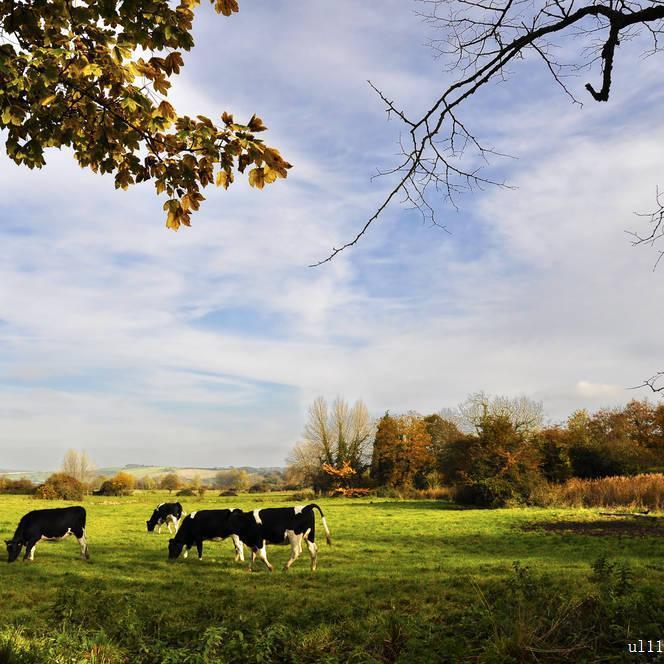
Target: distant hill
(139,470)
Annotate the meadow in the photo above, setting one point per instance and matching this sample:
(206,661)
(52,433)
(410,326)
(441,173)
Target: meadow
(404,581)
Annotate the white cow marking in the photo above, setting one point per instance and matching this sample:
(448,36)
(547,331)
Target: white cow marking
(193,514)
(298,509)
(257,516)
(296,547)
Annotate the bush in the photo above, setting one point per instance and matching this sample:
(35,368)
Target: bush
(120,485)
(60,486)
(302,496)
(487,492)
(22,486)
(228,492)
(259,488)
(186,492)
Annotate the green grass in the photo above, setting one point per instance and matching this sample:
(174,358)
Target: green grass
(410,581)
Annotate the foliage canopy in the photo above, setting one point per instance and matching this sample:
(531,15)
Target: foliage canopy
(77,75)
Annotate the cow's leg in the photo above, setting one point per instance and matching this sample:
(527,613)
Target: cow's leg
(239,548)
(30,550)
(199,548)
(83,543)
(186,551)
(253,559)
(313,552)
(262,554)
(168,525)
(158,527)
(296,548)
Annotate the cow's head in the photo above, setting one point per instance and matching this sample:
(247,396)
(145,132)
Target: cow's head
(13,549)
(174,549)
(153,521)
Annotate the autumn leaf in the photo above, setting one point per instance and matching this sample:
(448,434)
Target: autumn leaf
(257,178)
(226,7)
(256,124)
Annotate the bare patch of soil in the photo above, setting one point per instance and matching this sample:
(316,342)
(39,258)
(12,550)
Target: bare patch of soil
(606,528)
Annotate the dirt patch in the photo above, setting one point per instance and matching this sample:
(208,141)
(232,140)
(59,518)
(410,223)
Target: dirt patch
(605,528)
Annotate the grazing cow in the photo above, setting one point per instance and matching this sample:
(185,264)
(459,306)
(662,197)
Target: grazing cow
(165,513)
(51,524)
(200,526)
(279,525)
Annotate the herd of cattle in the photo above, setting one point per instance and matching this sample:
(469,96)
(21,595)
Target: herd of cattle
(255,529)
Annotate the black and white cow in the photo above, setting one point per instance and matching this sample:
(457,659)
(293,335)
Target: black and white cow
(51,524)
(165,513)
(279,525)
(200,526)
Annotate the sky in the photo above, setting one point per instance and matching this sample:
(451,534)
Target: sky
(205,347)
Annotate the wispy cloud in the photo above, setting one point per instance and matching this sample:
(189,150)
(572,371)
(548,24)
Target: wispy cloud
(206,346)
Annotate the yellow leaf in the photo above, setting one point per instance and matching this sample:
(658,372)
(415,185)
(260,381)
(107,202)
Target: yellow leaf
(166,110)
(47,100)
(270,175)
(172,221)
(222,179)
(257,178)
(226,7)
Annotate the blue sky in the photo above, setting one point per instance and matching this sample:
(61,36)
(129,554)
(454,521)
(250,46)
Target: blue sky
(206,346)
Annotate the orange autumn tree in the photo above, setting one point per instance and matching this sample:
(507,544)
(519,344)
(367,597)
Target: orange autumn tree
(402,452)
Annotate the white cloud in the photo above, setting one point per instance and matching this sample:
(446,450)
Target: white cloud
(103,344)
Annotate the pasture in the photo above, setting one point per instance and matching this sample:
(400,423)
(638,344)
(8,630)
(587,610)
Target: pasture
(404,581)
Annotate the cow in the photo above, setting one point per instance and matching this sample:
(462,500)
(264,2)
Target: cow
(165,513)
(51,524)
(200,526)
(279,525)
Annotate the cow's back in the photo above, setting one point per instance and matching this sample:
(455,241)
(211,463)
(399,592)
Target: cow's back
(53,522)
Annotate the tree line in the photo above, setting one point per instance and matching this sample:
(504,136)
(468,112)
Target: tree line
(489,451)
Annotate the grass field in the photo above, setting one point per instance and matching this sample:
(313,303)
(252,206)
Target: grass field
(407,581)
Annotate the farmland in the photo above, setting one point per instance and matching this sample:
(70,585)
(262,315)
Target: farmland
(411,581)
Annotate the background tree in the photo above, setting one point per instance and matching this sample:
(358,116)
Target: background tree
(78,464)
(479,40)
(443,433)
(170,481)
(237,479)
(402,455)
(333,436)
(524,414)
(93,77)
(498,465)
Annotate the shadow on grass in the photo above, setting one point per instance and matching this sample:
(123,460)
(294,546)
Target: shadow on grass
(415,505)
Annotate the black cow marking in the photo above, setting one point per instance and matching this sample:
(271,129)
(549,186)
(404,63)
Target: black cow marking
(51,524)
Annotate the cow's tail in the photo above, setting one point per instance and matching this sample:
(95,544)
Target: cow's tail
(328,538)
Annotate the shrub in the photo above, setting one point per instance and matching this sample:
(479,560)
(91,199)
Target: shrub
(21,486)
(302,495)
(120,485)
(259,488)
(60,486)
(186,492)
(228,492)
